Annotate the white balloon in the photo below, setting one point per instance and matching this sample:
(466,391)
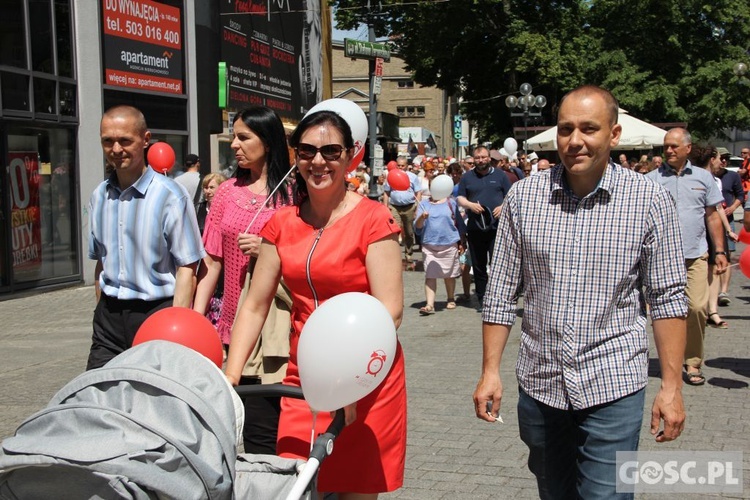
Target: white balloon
(345,350)
(355,117)
(511,146)
(441,187)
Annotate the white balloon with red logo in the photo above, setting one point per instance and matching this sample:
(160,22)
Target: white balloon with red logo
(356,119)
(345,350)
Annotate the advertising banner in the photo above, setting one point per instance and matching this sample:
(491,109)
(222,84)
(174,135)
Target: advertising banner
(142,45)
(274,56)
(25,215)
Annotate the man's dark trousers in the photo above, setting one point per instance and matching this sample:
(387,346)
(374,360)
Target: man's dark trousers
(481,245)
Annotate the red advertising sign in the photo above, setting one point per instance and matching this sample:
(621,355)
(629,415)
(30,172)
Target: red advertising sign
(25,214)
(142,45)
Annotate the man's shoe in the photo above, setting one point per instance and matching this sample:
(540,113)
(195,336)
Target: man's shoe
(724,299)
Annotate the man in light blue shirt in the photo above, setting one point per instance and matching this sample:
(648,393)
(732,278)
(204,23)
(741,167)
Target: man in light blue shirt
(143,235)
(403,206)
(696,195)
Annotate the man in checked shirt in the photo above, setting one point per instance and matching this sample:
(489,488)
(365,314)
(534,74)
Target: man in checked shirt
(590,243)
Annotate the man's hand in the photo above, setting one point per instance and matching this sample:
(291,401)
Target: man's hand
(668,406)
(350,414)
(489,388)
(249,244)
(476,208)
(720,264)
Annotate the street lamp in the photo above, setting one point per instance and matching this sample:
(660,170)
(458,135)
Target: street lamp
(740,69)
(527,105)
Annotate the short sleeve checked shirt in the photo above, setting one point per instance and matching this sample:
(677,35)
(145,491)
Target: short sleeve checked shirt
(587,267)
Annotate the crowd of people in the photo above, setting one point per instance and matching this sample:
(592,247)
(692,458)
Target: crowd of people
(511,224)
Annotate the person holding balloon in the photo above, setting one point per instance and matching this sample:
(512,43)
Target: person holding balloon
(143,269)
(239,210)
(401,193)
(332,242)
(438,222)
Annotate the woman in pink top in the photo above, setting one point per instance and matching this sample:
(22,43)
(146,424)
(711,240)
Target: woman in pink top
(262,159)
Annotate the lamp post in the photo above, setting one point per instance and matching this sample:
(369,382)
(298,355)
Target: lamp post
(740,70)
(527,105)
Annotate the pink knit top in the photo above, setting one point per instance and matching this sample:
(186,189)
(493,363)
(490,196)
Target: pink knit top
(232,209)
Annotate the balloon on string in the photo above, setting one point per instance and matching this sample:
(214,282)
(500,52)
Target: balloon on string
(511,146)
(745,262)
(398,180)
(441,187)
(391,165)
(183,326)
(161,157)
(355,117)
(744,236)
(345,350)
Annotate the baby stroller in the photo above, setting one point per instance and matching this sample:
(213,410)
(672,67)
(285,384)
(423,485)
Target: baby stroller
(158,421)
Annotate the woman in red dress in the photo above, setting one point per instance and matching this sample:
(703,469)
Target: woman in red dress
(333,241)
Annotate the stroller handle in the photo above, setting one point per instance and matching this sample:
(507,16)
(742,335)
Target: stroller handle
(269,390)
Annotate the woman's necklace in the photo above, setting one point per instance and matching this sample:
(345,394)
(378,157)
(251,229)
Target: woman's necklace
(335,217)
(255,196)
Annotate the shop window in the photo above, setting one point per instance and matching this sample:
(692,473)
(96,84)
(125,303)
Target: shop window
(40,21)
(64,40)
(406,84)
(68,102)
(15,91)
(44,96)
(12,36)
(410,111)
(43,203)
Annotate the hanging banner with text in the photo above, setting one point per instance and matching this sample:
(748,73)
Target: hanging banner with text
(274,54)
(142,45)
(25,215)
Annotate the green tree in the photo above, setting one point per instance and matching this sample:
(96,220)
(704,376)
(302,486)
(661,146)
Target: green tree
(665,60)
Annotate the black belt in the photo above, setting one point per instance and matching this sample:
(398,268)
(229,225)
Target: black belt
(127,303)
(407,205)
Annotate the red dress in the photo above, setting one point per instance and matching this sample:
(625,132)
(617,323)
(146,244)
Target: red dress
(369,454)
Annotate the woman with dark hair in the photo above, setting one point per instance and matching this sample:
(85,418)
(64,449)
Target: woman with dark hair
(333,241)
(707,157)
(232,244)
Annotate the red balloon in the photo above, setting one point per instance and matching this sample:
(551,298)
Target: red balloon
(745,262)
(185,327)
(391,165)
(744,236)
(398,180)
(161,157)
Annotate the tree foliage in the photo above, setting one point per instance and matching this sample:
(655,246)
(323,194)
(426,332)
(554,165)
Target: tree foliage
(665,60)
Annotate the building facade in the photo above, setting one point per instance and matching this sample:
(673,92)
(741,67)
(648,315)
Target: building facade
(64,62)
(425,108)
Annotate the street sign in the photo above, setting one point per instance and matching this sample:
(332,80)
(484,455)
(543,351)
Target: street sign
(366,50)
(377,78)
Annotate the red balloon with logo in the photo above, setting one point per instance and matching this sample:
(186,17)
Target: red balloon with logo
(161,157)
(398,180)
(185,327)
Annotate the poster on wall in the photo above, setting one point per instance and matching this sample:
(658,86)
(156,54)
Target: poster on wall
(25,214)
(142,45)
(274,55)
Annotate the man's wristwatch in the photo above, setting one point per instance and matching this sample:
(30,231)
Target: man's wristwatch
(721,253)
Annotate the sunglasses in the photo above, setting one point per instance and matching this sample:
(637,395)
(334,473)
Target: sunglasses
(329,152)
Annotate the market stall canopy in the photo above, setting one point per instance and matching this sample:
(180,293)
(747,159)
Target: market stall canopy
(636,134)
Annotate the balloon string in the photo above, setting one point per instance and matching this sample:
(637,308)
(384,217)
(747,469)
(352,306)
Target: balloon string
(269,199)
(312,431)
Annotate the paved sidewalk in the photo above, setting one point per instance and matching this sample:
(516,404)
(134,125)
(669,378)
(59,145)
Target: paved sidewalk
(45,338)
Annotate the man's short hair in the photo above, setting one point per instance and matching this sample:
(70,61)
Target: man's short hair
(122,110)
(191,160)
(611,102)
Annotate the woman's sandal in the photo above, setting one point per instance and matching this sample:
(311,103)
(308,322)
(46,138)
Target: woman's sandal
(716,324)
(426,310)
(694,378)
(451,304)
